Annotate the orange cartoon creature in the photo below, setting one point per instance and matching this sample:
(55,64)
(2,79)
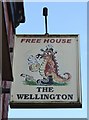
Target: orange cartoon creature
(49,66)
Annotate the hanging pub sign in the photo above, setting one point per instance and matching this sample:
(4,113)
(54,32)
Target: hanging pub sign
(46,71)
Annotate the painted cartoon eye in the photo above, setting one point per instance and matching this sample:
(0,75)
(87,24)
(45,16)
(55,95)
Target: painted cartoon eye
(49,53)
(46,53)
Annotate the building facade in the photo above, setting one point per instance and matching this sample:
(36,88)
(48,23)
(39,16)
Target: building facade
(12,15)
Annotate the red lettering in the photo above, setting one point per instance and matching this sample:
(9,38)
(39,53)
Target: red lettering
(63,40)
(69,41)
(52,40)
(38,41)
(33,40)
(46,40)
(22,40)
(58,40)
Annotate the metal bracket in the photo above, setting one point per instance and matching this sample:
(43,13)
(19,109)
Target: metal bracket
(5,90)
(45,13)
(11,50)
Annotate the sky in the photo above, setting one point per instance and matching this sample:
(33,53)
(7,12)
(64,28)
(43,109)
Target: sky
(63,18)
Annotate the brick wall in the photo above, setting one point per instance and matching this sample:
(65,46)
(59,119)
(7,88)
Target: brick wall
(8,40)
(7,84)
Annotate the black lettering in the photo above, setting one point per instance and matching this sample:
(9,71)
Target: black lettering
(45,89)
(38,89)
(26,96)
(70,96)
(36,96)
(51,89)
(20,96)
(31,96)
(46,96)
(64,96)
(52,96)
(58,96)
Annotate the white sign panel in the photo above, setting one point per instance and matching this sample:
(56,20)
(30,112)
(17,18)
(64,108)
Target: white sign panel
(46,69)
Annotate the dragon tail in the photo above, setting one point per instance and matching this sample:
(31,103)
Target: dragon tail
(67,76)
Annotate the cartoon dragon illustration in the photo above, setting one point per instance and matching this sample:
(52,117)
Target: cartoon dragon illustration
(49,66)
